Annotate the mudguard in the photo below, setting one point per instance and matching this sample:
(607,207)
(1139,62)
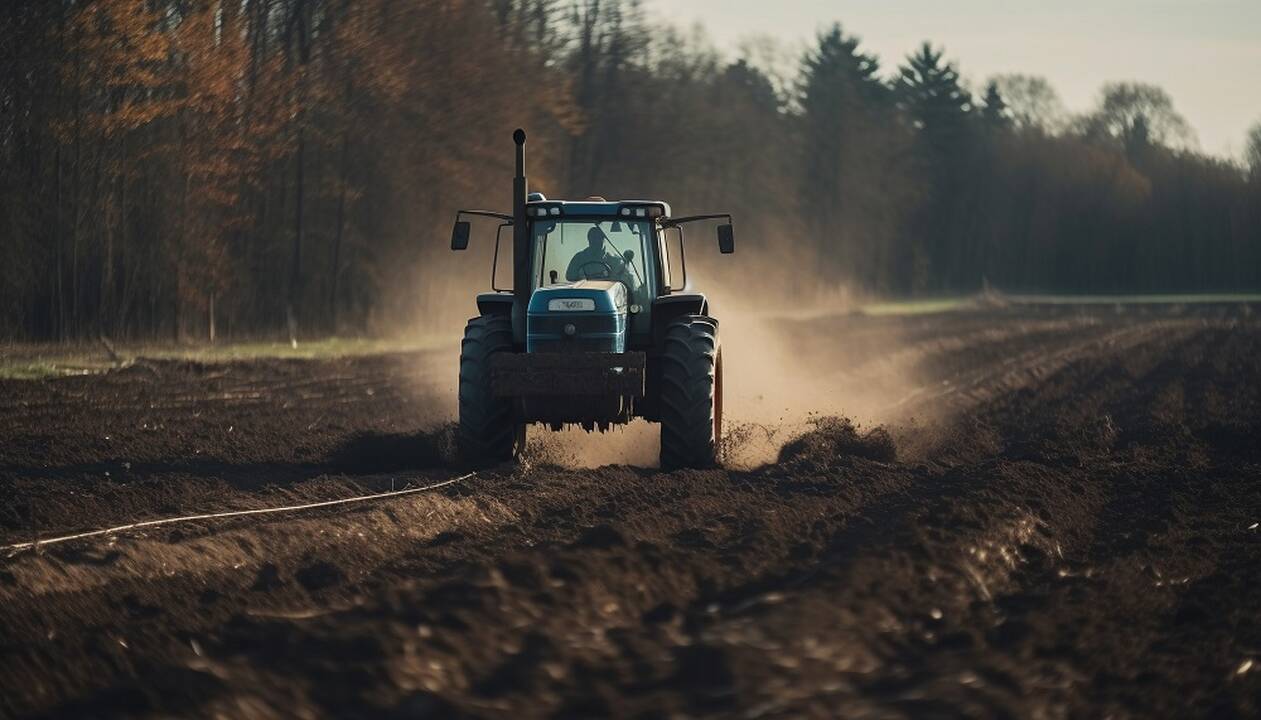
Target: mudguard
(668,307)
(494,303)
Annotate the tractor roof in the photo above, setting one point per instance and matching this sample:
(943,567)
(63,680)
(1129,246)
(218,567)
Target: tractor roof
(597,207)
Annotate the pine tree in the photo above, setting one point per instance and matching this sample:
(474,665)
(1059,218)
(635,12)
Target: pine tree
(842,102)
(836,71)
(928,91)
(994,112)
(940,110)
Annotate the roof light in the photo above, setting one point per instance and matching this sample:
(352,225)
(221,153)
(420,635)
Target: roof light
(626,211)
(640,212)
(556,210)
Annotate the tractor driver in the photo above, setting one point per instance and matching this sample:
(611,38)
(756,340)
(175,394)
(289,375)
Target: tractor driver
(593,262)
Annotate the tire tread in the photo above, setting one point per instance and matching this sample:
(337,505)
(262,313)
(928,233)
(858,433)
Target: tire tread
(689,363)
(487,432)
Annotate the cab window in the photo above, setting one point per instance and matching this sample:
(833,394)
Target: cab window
(594,249)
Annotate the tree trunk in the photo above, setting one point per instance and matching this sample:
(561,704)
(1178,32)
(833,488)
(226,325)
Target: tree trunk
(118,274)
(92,206)
(179,259)
(295,268)
(334,271)
(58,225)
(74,201)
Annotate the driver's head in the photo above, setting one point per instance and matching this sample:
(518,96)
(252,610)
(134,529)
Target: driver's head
(595,237)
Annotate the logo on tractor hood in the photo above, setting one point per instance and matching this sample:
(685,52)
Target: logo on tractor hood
(571,304)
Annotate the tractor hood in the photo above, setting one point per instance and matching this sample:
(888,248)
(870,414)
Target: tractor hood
(583,296)
(585,316)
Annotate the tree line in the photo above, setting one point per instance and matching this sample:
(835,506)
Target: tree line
(192,168)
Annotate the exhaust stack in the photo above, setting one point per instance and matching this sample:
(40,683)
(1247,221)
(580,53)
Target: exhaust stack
(520,242)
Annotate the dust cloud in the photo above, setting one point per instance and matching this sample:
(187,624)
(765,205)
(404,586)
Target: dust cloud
(784,369)
(783,372)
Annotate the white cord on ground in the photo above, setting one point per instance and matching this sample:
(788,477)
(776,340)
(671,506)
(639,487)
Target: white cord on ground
(232,513)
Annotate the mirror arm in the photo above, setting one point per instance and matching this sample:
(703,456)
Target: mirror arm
(484,213)
(682,260)
(675,222)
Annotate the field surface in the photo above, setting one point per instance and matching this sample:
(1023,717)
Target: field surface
(1040,511)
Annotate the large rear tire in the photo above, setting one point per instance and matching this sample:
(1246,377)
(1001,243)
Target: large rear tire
(691,393)
(488,431)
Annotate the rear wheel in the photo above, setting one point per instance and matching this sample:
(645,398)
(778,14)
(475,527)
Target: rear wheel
(691,393)
(488,430)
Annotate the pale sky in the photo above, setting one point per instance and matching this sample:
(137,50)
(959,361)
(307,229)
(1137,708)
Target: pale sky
(1205,53)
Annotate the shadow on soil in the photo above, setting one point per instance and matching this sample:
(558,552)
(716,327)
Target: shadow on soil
(360,454)
(385,452)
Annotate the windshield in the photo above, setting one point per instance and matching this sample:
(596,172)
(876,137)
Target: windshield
(570,250)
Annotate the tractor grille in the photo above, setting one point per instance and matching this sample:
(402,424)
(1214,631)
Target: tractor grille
(554,324)
(592,333)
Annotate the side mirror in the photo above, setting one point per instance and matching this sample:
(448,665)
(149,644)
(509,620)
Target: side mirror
(726,239)
(459,235)
(628,256)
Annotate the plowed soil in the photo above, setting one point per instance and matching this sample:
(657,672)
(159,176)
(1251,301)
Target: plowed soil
(1057,517)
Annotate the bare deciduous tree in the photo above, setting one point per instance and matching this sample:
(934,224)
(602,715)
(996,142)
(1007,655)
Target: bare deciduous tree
(1031,101)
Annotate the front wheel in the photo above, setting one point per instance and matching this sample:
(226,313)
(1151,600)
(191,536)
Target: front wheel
(691,393)
(488,430)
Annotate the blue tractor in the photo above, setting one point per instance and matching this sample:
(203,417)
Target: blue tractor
(595,331)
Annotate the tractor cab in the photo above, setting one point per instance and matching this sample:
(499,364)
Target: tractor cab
(573,242)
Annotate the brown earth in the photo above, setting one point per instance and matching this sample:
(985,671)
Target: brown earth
(1058,519)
